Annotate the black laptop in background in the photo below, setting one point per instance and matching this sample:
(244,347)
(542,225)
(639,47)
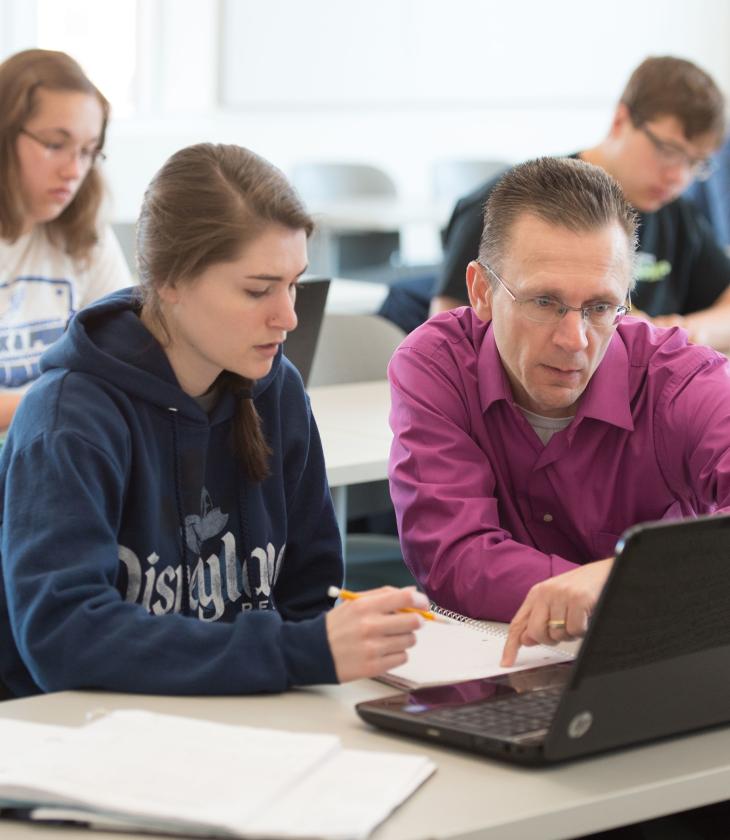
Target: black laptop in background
(654,663)
(301,344)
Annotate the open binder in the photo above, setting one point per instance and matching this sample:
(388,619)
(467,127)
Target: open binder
(136,770)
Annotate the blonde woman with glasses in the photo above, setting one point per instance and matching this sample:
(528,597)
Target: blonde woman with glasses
(55,256)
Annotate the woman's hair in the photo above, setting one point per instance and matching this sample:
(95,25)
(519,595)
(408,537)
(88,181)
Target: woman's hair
(21,76)
(203,207)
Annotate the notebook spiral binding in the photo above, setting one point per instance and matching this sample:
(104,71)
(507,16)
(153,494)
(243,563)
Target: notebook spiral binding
(474,623)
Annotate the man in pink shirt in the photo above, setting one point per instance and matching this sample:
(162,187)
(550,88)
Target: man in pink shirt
(532,428)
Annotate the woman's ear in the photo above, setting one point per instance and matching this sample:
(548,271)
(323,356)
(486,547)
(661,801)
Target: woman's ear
(480,290)
(169,293)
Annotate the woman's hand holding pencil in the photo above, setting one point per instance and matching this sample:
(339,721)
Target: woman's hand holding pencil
(370,632)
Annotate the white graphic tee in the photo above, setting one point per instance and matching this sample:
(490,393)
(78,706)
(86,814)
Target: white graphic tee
(41,287)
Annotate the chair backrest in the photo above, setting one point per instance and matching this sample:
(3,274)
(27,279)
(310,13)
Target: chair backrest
(333,181)
(126,234)
(353,348)
(453,179)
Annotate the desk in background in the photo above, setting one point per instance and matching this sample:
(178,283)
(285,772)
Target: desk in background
(468,798)
(359,297)
(418,223)
(353,424)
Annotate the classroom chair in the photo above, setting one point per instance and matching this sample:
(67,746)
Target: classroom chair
(333,250)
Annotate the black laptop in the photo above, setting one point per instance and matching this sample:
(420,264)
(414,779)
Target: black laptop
(655,662)
(301,344)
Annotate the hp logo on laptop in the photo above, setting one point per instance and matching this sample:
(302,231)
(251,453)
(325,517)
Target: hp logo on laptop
(580,724)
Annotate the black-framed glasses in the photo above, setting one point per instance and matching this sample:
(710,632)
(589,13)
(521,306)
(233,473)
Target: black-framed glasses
(544,309)
(671,155)
(66,149)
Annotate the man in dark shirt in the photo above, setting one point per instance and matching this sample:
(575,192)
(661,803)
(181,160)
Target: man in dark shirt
(669,121)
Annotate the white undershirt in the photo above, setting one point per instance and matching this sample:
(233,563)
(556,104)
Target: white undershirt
(545,427)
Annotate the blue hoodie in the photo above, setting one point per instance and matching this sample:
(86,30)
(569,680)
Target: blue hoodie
(117,488)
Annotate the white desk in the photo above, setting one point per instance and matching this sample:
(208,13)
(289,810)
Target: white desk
(358,297)
(468,798)
(353,423)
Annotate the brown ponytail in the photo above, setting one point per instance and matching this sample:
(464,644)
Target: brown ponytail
(205,205)
(249,444)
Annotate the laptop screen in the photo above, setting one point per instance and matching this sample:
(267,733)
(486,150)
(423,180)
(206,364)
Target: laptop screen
(301,344)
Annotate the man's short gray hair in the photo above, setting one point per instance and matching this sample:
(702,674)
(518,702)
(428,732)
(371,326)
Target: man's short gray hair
(564,192)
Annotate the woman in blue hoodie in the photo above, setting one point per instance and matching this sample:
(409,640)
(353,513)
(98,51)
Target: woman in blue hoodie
(166,522)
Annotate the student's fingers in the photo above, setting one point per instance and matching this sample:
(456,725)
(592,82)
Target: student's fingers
(395,644)
(389,653)
(392,660)
(398,599)
(389,599)
(389,624)
(374,653)
(371,620)
(364,634)
(362,625)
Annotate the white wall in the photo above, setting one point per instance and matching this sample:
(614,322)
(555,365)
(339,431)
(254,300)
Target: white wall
(399,83)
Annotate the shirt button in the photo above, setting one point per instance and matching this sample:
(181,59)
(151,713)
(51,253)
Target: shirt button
(547,518)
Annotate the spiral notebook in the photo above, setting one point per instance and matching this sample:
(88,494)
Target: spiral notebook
(457,648)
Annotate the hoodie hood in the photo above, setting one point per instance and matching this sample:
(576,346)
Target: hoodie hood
(109,340)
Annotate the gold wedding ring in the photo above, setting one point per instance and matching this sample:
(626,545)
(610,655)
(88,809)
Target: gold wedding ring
(556,624)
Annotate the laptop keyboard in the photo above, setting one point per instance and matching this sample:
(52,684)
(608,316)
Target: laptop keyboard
(510,716)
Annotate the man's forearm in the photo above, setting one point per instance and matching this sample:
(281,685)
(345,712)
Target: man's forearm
(709,326)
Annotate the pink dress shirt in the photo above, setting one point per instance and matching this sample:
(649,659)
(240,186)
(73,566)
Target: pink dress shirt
(485,510)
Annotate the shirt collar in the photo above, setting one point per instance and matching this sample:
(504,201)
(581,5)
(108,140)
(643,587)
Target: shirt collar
(606,397)
(493,382)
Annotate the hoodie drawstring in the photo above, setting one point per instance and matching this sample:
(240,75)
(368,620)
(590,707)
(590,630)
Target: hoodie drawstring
(241,493)
(185,598)
(241,496)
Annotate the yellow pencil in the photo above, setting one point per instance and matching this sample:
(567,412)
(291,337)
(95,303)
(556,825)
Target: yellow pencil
(347,595)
